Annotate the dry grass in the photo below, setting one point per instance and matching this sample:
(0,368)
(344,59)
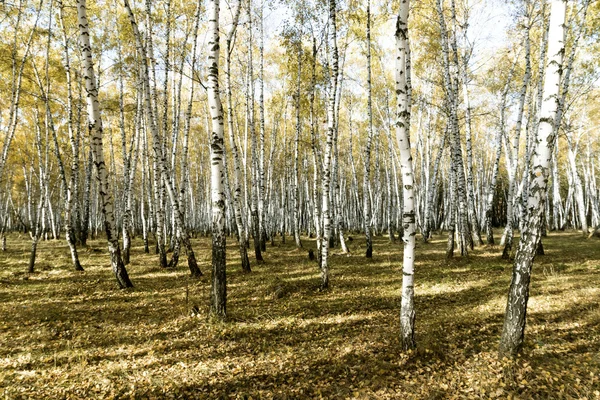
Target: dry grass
(74,335)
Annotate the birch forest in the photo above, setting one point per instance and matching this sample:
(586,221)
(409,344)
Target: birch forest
(276,199)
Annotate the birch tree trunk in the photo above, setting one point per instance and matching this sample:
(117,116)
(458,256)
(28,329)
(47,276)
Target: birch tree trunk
(577,186)
(329,145)
(431,190)
(491,190)
(217,155)
(535,113)
(469,150)
(407,309)
(161,175)
(237,186)
(367,163)
(127,215)
(36,218)
(314,148)
(295,191)
(518,294)
(254,215)
(514,154)
(261,142)
(87,188)
(455,144)
(577,30)
(151,110)
(67,188)
(95,127)
(336,191)
(17,79)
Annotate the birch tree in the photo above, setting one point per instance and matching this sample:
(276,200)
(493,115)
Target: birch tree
(295,191)
(254,214)
(367,163)
(327,164)
(95,127)
(512,153)
(451,89)
(217,154)
(237,185)
(518,294)
(17,71)
(162,176)
(407,308)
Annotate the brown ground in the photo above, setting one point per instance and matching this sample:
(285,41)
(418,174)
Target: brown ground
(65,334)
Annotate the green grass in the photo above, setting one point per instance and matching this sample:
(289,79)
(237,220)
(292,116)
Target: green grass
(66,334)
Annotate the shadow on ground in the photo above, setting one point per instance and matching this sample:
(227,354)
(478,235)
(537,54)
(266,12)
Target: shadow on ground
(67,334)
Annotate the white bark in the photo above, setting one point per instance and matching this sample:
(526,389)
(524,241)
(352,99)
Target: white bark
(217,175)
(518,294)
(327,221)
(95,126)
(162,177)
(237,186)
(407,309)
(367,163)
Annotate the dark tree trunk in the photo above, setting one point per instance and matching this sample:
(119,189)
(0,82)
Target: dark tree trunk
(32,256)
(244,255)
(218,296)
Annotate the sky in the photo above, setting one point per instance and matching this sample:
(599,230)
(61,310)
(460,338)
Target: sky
(489,23)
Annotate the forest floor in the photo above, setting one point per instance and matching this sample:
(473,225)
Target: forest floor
(67,334)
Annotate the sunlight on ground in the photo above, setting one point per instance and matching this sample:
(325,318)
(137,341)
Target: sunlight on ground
(67,334)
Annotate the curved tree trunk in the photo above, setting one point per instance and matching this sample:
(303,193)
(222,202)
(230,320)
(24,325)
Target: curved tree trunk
(518,294)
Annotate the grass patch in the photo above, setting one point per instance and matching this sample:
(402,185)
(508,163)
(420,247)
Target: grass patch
(68,334)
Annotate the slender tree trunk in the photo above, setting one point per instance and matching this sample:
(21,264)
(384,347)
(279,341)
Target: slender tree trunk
(87,188)
(407,309)
(367,163)
(315,151)
(455,144)
(491,191)
(329,146)
(95,126)
(295,191)
(71,206)
(17,79)
(162,176)
(217,154)
(518,294)
(514,154)
(429,220)
(237,186)
(451,212)
(254,215)
(578,188)
(469,150)
(261,143)
(127,216)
